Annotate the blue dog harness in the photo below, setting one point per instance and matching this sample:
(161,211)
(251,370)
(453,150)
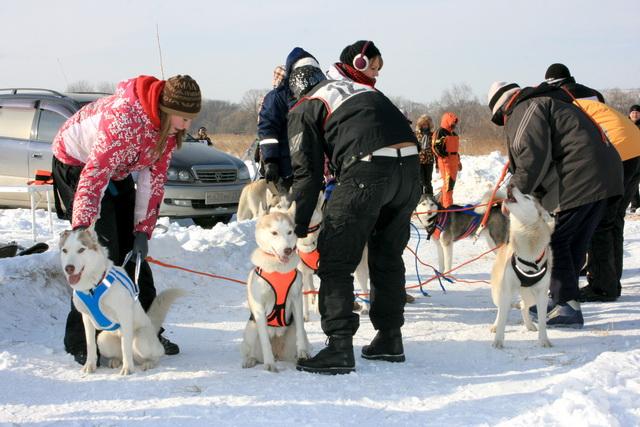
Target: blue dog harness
(91,299)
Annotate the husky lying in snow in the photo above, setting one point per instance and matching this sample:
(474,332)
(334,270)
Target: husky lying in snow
(523,265)
(275,330)
(107,299)
(456,225)
(258,199)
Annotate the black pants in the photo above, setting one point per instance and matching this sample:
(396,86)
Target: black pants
(372,203)
(606,253)
(115,231)
(426,174)
(569,242)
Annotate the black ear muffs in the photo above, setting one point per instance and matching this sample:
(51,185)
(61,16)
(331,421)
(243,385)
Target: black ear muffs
(361,61)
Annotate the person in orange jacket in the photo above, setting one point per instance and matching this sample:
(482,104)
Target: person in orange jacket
(445,147)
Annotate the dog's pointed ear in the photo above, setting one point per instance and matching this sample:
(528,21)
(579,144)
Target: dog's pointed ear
(548,219)
(292,209)
(63,237)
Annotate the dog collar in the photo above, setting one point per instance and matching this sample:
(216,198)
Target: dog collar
(314,228)
(536,270)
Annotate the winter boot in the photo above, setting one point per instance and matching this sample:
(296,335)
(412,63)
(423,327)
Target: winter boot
(386,345)
(170,348)
(335,358)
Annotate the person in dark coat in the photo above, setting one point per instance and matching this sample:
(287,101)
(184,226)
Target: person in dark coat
(424,132)
(374,154)
(605,254)
(558,154)
(272,127)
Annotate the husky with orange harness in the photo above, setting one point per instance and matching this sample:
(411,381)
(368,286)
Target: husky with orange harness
(275,330)
(446,226)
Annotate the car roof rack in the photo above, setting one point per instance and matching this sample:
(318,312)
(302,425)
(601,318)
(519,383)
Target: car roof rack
(15,91)
(89,93)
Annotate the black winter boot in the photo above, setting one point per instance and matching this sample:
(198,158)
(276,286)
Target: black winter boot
(335,358)
(386,345)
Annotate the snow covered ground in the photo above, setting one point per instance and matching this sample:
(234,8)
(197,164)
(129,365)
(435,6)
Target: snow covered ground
(452,376)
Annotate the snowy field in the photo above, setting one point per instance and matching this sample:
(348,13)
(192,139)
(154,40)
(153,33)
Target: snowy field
(452,376)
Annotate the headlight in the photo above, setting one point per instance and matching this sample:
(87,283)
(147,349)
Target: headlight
(184,175)
(243,172)
(174,174)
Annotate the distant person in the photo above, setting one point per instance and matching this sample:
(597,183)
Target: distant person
(634,115)
(272,127)
(94,154)
(558,75)
(424,133)
(558,154)
(279,73)
(446,144)
(202,135)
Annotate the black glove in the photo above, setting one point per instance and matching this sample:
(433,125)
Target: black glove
(271,172)
(140,244)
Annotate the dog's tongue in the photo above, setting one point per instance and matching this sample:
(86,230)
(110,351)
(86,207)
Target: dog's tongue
(74,278)
(283,259)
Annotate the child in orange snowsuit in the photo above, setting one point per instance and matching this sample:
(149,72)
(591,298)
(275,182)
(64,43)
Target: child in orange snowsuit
(445,147)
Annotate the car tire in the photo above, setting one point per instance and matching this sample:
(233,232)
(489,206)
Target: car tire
(210,221)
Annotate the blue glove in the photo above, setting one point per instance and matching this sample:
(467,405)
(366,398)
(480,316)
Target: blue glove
(140,245)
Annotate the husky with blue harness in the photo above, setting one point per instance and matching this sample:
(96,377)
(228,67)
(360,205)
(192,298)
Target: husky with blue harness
(446,226)
(108,301)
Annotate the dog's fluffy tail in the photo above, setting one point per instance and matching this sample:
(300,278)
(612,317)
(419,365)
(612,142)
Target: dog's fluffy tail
(500,194)
(161,305)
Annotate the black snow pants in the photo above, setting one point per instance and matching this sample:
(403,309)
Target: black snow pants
(372,204)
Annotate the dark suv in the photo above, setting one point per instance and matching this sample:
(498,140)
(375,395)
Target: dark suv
(203,182)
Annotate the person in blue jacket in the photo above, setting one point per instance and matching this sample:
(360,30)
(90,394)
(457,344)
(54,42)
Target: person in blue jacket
(272,128)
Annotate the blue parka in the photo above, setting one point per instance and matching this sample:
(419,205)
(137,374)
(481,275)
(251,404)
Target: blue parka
(272,122)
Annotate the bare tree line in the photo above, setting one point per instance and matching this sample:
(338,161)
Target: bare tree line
(475,119)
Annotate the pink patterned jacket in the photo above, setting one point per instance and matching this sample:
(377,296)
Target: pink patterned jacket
(111,138)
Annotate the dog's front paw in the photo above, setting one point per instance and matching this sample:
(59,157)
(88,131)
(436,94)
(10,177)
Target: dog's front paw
(545,343)
(271,367)
(249,362)
(498,344)
(303,354)
(531,327)
(126,370)
(115,363)
(89,367)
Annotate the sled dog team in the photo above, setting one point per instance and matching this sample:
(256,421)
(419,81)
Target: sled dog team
(107,297)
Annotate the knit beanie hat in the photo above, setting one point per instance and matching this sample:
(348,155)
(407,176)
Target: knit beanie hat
(499,93)
(181,96)
(633,108)
(350,52)
(557,71)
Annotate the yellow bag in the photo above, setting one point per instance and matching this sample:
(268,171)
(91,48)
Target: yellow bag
(621,131)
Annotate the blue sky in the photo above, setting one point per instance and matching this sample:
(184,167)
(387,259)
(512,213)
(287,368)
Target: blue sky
(231,47)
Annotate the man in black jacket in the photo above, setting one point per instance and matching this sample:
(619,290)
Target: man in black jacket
(374,155)
(558,154)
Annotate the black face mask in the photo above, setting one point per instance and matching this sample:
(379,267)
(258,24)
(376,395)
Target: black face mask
(425,130)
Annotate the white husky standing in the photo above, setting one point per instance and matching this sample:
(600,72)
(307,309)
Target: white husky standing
(274,290)
(523,265)
(107,299)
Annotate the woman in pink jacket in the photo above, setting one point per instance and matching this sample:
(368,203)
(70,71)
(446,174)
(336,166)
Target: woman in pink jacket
(134,130)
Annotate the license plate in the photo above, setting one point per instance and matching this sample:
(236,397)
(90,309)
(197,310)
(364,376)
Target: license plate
(219,197)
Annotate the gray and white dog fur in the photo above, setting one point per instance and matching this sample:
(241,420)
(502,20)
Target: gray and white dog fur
(84,262)
(258,199)
(276,252)
(495,231)
(530,232)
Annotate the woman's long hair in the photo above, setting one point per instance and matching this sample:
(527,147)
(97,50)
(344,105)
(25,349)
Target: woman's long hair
(165,127)
(423,121)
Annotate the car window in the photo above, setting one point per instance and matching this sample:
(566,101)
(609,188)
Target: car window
(16,122)
(48,125)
